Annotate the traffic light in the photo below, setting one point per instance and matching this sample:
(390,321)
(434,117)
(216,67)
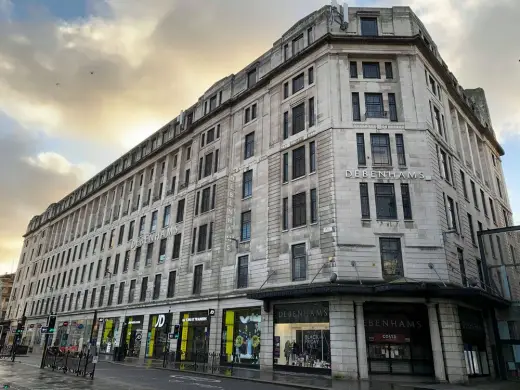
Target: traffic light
(51,323)
(21,325)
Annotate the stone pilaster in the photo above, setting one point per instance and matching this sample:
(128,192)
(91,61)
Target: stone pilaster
(361,341)
(435,336)
(343,339)
(452,345)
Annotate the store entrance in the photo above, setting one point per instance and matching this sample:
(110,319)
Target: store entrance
(398,339)
(193,343)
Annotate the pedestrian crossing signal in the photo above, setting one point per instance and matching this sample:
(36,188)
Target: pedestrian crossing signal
(6,386)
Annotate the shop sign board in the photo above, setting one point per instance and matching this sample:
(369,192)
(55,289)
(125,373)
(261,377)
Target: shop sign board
(302,313)
(399,175)
(161,320)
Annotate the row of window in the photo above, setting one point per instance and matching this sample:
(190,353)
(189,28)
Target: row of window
(385,199)
(374,106)
(371,70)
(381,149)
(45,306)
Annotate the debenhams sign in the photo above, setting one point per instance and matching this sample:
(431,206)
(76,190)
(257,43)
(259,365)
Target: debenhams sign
(147,238)
(368,174)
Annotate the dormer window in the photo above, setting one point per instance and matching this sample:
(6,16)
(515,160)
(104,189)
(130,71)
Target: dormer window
(297,44)
(369,27)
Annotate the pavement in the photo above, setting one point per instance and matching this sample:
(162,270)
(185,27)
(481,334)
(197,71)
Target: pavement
(25,374)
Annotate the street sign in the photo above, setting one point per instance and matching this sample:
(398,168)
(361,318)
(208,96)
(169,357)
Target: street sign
(211,312)
(44,329)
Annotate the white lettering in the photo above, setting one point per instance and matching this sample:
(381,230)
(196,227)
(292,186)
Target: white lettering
(161,319)
(348,174)
(365,173)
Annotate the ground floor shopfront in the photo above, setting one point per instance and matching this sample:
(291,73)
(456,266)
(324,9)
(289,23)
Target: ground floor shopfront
(339,335)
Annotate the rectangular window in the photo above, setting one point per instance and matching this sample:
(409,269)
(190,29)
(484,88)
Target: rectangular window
(121,235)
(116,265)
(310,35)
(312,156)
(242,271)
(389,71)
(407,203)
(286,90)
(203,235)
(210,235)
(437,117)
(137,257)
(162,250)
(474,193)
(98,270)
(392,106)
(297,44)
(126,261)
(299,209)
(142,223)
(251,78)
(193,240)
(213,196)
(176,246)
(443,165)
(298,162)
(374,105)
(286,125)
(356,108)
(149,252)
(369,27)
(299,262)
(249,146)
(131,291)
(385,201)
(253,111)
(197,201)
(399,143)
(166,216)
(201,167)
(180,211)
(101,296)
(206,197)
(247,115)
(472,230)
(450,214)
(460,257)
(247,184)
(110,295)
(371,70)
(85,298)
(492,207)
(365,200)
(298,83)
(197,279)
(153,222)
(499,187)
(311,112)
(310,74)
(187,178)
(484,205)
(156,287)
(314,206)
(208,164)
(210,137)
(171,284)
(174,182)
(216,160)
(353,70)
(391,257)
(360,140)
(464,187)
(285,52)
(285,214)
(144,288)
(245,226)
(93,298)
(381,154)
(298,118)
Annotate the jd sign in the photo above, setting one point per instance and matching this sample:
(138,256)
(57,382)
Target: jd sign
(161,319)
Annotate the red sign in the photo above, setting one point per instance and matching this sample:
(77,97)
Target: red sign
(389,338)
(65,323)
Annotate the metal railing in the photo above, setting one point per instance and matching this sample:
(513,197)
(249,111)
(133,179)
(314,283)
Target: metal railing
(77,363)
(200,361)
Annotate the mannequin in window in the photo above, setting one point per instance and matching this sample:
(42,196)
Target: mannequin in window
(287,351)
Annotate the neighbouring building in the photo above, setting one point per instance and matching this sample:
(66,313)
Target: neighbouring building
(6,285)
(317,212)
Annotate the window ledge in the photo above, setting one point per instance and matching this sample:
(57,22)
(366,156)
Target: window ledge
(387,220)
(298,178)
(299,227)
(247,197)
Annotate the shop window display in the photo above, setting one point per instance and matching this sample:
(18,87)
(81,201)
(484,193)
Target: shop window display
(302,336)
(157,336)
(241,336)
(132,335)
(108,336)
(474,338)
(194,335)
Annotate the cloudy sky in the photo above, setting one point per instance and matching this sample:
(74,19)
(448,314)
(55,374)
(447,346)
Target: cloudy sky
(81,81)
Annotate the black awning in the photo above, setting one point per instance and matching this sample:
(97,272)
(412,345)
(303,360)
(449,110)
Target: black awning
(470,295)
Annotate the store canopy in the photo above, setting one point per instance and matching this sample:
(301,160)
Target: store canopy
(399,288)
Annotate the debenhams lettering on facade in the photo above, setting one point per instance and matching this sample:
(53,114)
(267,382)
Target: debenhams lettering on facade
(147,238)
(367,174)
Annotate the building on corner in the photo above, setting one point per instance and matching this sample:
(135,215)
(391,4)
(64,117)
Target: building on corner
(317,212)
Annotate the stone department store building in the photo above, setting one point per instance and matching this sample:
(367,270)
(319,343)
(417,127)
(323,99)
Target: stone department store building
(317,212)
